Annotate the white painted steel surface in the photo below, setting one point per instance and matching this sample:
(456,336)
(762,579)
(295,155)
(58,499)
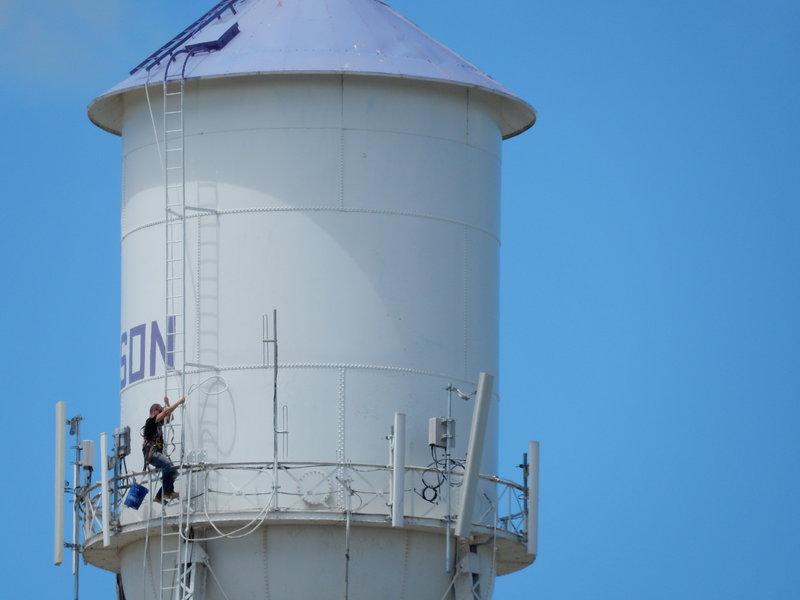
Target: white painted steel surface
(366,212)
(295,562)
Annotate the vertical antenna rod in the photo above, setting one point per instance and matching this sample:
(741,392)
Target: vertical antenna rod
(275,400)
(265,338)
(448,548)
(75,429)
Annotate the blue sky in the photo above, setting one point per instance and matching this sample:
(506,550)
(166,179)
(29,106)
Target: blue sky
(650,296)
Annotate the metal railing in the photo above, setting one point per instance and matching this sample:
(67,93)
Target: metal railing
(254,489)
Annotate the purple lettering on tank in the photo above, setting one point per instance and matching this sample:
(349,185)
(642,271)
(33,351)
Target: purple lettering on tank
(129,351)
(156,341)
(171,341)
(123,362)
(138,374)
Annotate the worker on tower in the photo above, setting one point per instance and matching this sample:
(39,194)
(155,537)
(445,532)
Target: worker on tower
(153,447)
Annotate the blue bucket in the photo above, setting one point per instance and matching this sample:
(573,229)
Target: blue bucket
(135,495)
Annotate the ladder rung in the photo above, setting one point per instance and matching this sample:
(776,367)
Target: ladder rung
(173,131)
(172,93)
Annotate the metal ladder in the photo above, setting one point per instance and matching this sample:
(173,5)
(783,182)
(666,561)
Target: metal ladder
(175,219)
(174,546)
(183,562)
(169,565)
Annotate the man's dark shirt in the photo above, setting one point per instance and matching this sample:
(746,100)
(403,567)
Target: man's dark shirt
(153,439)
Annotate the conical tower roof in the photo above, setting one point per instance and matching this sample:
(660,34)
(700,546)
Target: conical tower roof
(275,37)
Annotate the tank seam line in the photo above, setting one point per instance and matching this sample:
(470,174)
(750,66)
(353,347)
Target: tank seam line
(494,154)
(307,365)
(235,211)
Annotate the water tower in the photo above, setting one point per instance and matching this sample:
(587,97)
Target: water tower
(310,242)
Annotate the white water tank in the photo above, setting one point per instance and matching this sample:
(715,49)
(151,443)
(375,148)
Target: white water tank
(343,169)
